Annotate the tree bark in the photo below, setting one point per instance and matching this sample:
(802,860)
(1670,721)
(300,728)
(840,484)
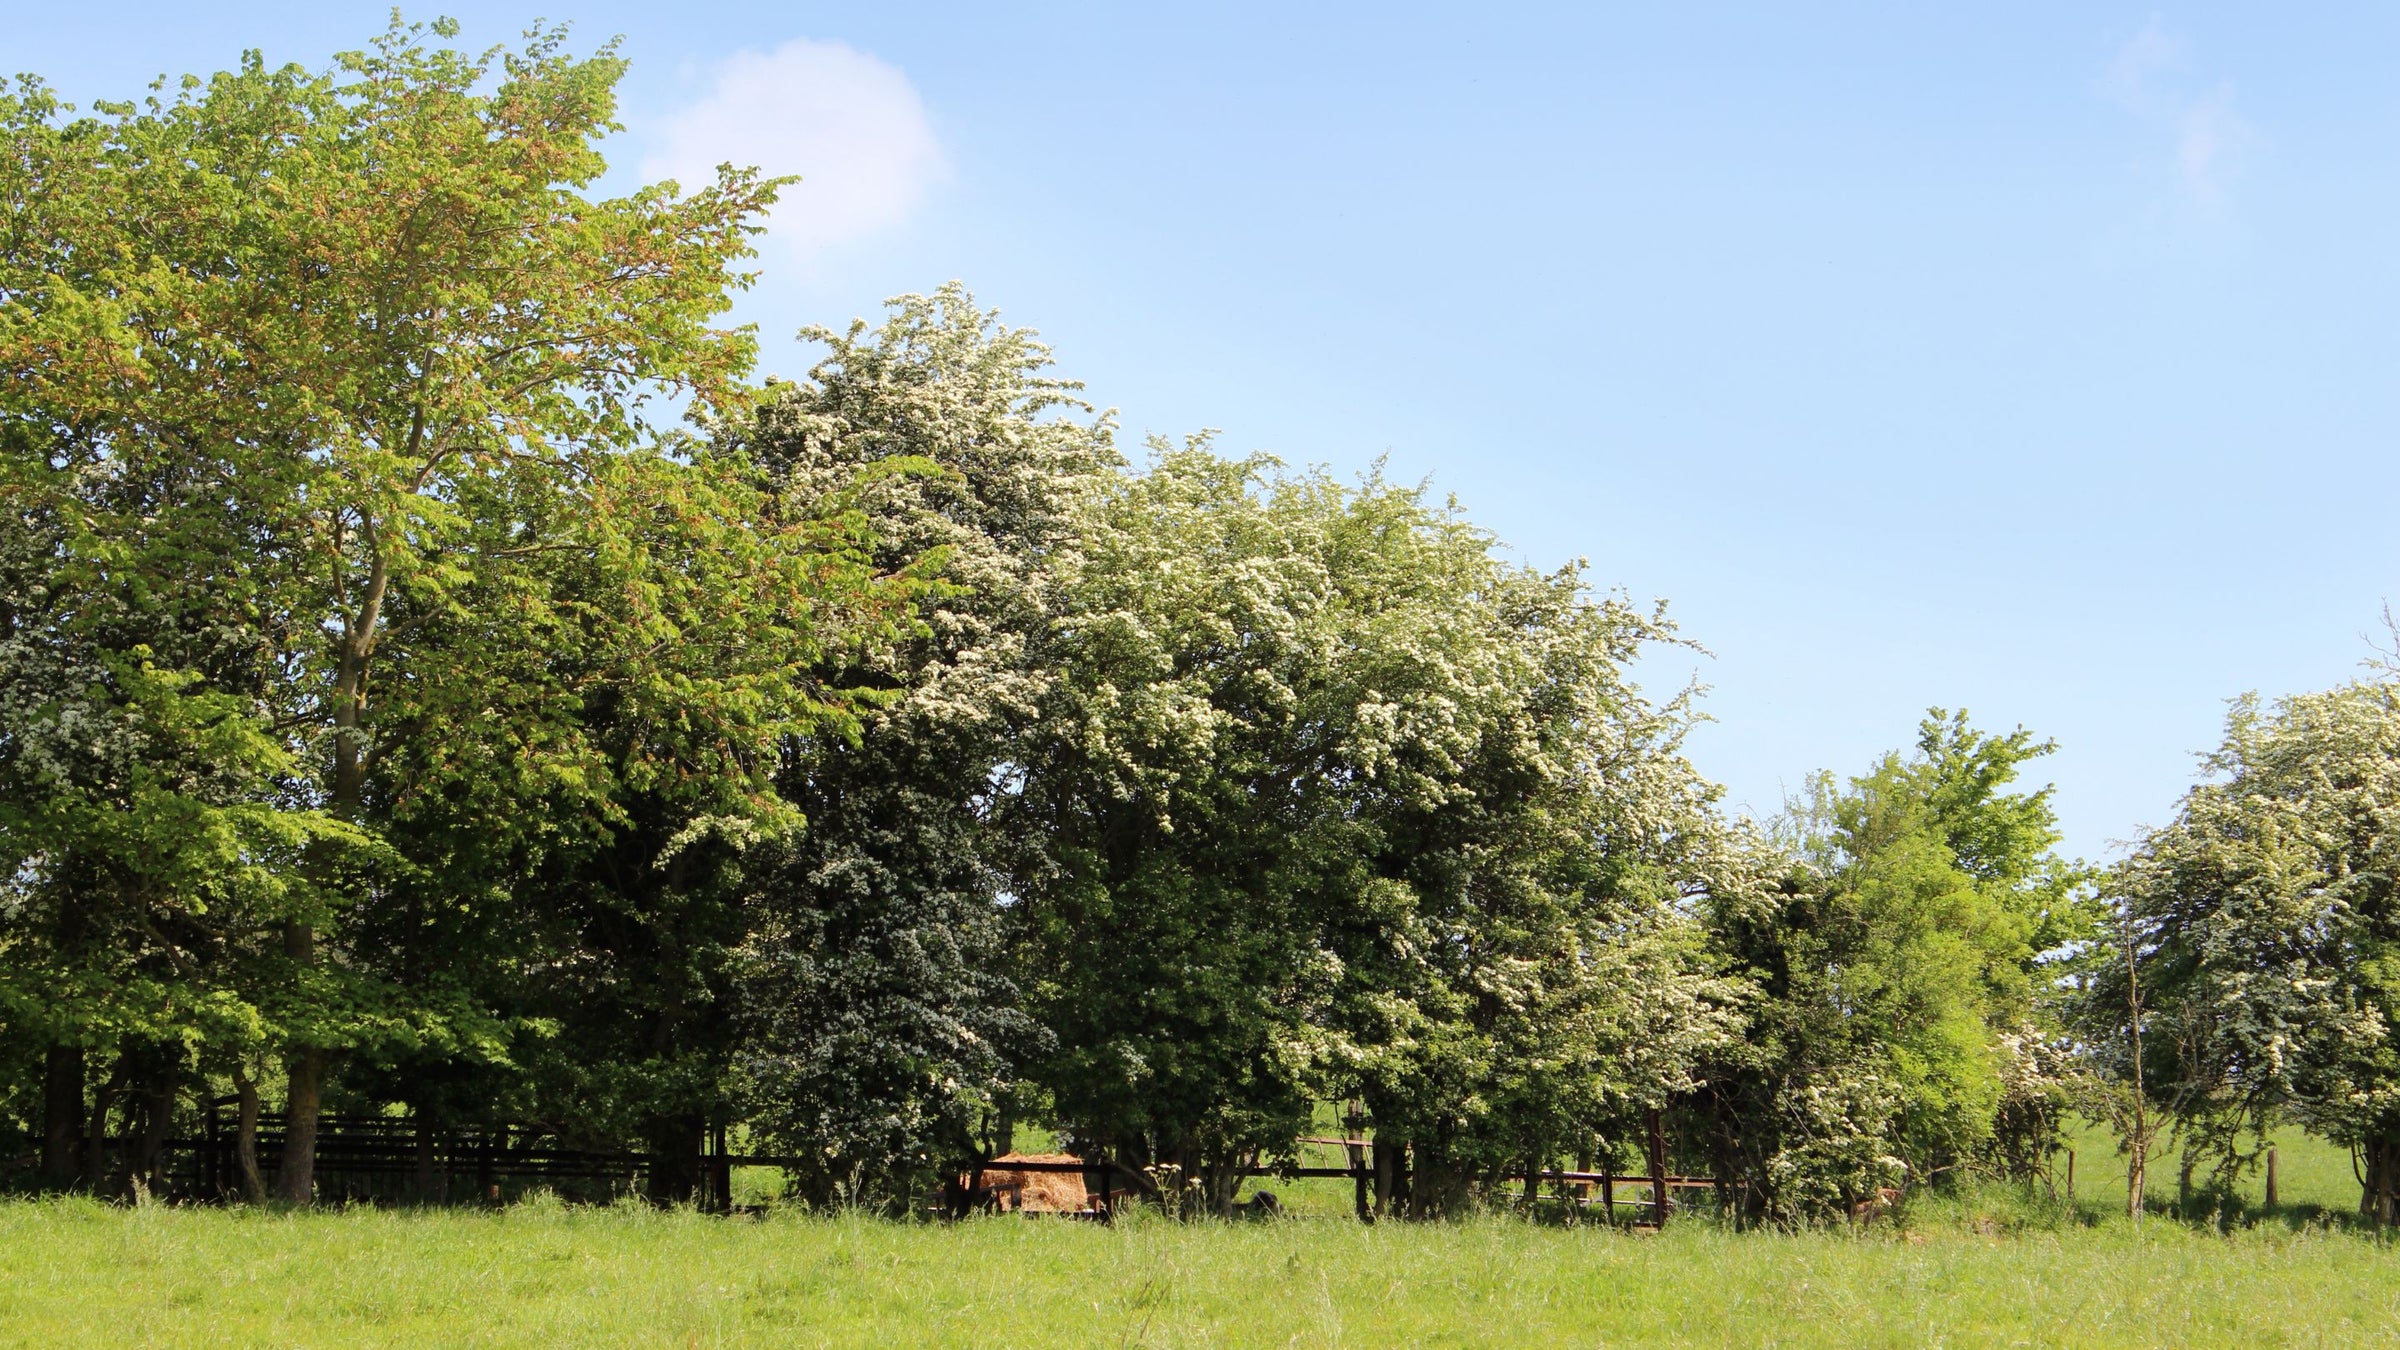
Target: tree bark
(245,1138)
(62,1115)
(1221,1180)
(158,1116)
(1662,1203)
(1726,1147)
(296,1172)
(296,1176)
(1391,1177)
(2379,1199)
(1438,1186)
(95,1140)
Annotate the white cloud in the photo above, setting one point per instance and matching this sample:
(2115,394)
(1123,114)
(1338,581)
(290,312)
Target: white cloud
(849,124)
(2154,77)
(2213,143)
(2143,62)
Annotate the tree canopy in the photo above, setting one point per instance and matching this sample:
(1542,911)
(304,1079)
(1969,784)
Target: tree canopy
(438,683)
(2262,925)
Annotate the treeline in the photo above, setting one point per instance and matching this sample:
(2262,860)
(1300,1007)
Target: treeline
(435,682)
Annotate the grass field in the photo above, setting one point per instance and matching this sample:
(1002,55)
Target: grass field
(77,1273)
(1995,1269)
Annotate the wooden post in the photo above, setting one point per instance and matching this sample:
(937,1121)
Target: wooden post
(1658,1167)
(1354,1126)
(2070,1176)
(720,1171)
(2272,1198)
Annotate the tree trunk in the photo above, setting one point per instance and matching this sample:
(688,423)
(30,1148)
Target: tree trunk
(1662,1203)
(95,1140)
(1726,1149)
(1004,1127)
(62,1115)
(158,1105)
(1354,1128)
(296,1173)
(245,1138)
(2137,1172)
(1221,1181)
(2137,1179)
(1438,1186)
(2379,1199)
(675,1159)
(1391,1177)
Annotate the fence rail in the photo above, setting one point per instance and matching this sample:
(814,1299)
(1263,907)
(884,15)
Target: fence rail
(389,1159)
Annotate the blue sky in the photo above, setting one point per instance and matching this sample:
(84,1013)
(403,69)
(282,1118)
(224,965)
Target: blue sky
(2036,359)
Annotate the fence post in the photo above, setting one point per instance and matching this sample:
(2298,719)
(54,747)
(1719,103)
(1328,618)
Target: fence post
(1354,1128)
(721,1171)
(212,1171)
(1658,1166)
(2070,1176)
(2271,1194)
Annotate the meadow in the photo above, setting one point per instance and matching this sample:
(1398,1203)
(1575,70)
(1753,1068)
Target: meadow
(1997,1267)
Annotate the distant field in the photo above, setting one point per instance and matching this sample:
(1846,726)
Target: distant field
(77,1273)
(2314,1175)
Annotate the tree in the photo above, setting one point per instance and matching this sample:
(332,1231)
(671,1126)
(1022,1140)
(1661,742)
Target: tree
(146,828)
(376,305)
(1337,802)
(1895,972)
(884,1033)
(2267,932)
(1523,978)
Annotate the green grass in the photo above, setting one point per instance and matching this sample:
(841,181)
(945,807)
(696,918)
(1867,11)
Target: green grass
(79,1273)
(2312,1174)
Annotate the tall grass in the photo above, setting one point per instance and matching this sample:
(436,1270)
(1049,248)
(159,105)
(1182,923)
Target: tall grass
(79,1273)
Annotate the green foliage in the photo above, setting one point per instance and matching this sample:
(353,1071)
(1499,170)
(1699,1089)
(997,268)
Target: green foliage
(884,1034)
(329,399)
(2266,937)
(1340,803)
(394,697)
(1896,1030)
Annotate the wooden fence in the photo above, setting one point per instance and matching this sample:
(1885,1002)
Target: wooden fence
(396,1160)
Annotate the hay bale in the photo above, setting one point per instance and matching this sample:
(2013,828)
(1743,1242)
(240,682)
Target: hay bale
(1035,1192)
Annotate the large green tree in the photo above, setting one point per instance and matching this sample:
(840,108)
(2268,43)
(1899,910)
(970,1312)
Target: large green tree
(1895,1028)
(1338,802)
(885,1032)
(2264,925)
(377,309)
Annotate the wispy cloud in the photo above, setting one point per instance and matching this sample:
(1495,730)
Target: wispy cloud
(2155,77)
(850,125)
